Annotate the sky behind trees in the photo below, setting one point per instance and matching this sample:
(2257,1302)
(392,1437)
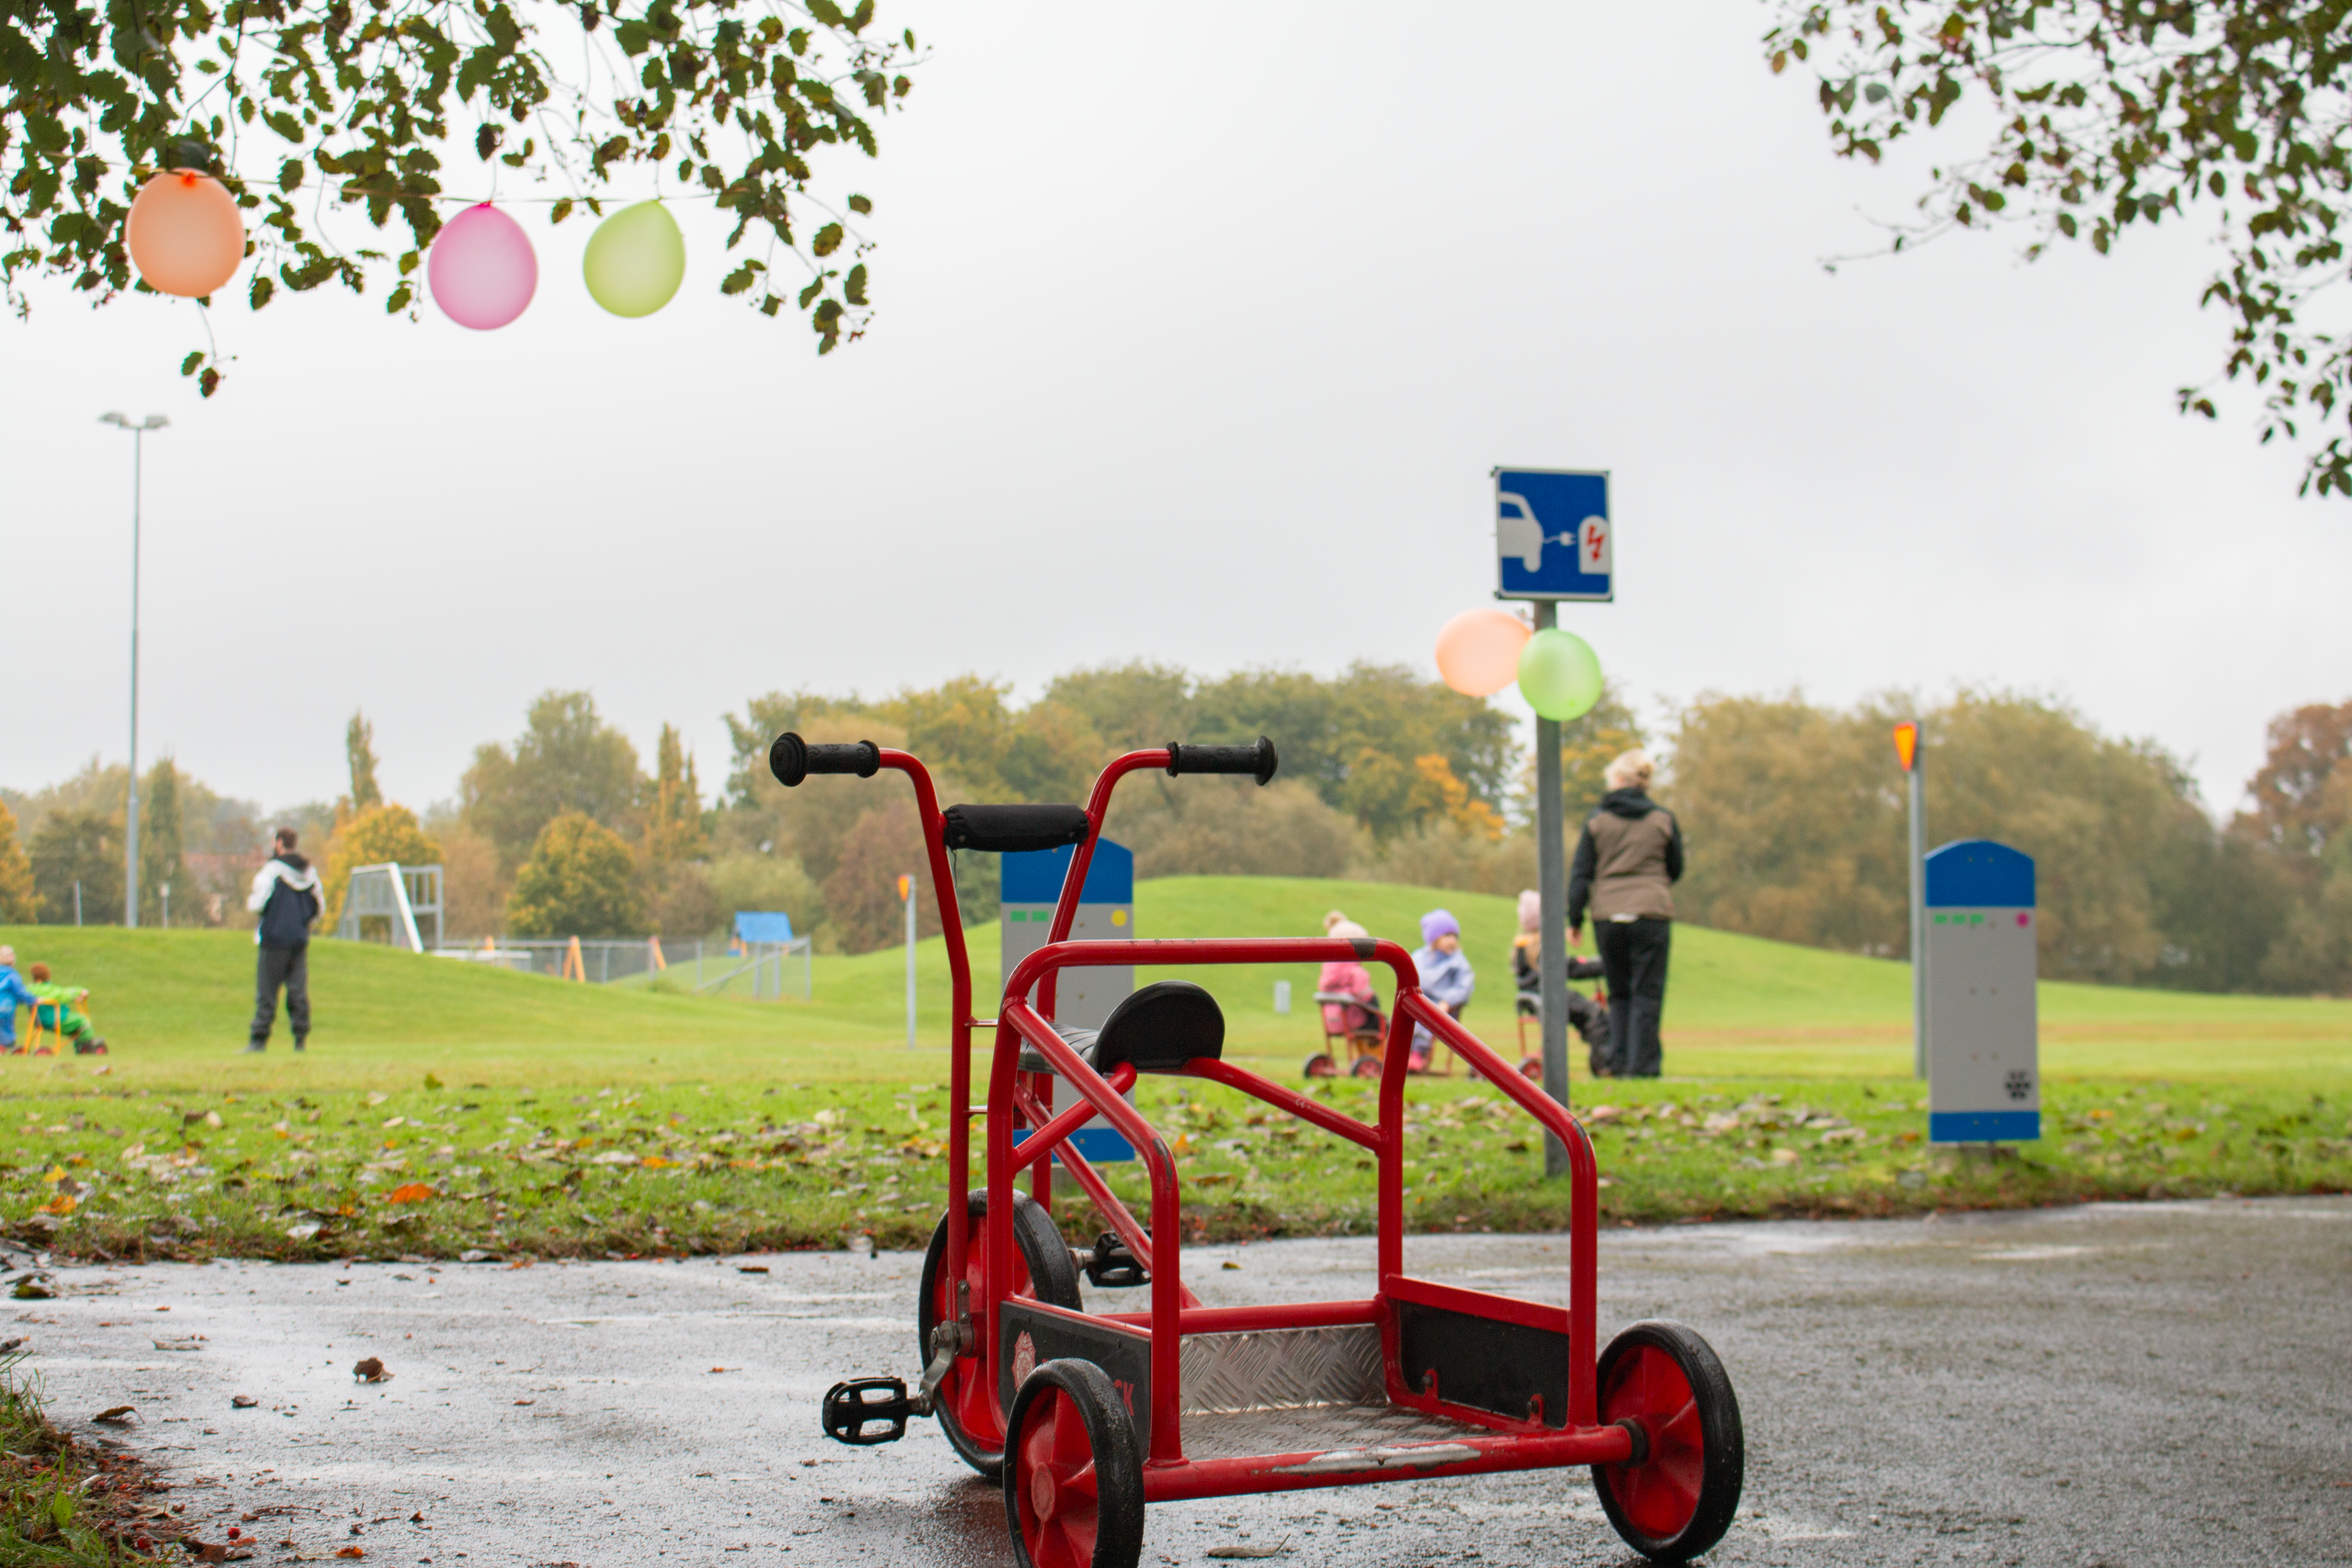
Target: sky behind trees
(1195,343)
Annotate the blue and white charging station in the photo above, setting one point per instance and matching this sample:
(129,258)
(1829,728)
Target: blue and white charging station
(1984,1070)
(1083,997)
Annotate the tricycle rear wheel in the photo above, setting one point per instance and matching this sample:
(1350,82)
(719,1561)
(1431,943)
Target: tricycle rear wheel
(1042,1270)
(1073,1471)
(1677,1496)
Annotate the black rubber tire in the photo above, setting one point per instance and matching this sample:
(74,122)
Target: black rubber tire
(1320,1065)
(1052,1278)
(1117,1455)
(1722,1458)
(1365,1067)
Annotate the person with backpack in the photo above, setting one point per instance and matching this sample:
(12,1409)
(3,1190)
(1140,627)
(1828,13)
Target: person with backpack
(286,895)
(1627,861)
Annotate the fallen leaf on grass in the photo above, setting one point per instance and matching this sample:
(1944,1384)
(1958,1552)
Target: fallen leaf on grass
(370,1371)
(118,1415)
(751,1269)
(33,1287)
(526,1402)
(1228,1552)
(7,1346)
(243,1402)
(411,1193)
(353,1552)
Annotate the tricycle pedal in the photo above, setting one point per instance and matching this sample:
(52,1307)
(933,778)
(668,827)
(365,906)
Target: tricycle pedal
(1112,1266)
(848,1412)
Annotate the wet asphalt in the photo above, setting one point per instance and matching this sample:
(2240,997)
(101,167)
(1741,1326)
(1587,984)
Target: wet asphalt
(2134,1386)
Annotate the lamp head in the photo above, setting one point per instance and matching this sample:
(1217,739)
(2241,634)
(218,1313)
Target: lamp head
(153,422)
(116,419)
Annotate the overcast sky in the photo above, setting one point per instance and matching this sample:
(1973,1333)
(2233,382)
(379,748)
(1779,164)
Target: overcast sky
(1198,337)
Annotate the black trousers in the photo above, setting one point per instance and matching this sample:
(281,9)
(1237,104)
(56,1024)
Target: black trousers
(288,967)
(1634,956)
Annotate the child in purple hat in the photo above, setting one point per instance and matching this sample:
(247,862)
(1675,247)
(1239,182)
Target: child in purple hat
(1445,975)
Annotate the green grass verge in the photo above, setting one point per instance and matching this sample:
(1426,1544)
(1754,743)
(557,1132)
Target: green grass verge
(437,1172)
(70,1504)
(723,1125)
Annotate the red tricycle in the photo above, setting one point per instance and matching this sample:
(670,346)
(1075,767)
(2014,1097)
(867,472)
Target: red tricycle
(1085,1416)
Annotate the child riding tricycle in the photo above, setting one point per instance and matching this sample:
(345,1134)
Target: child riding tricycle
(1085,1416)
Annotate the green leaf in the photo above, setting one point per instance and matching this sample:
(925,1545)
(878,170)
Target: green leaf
(852,288)
(188,365)
(827,240)
(860,205)
(560,211)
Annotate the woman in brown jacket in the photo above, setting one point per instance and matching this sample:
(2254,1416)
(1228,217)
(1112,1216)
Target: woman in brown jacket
(1627,862)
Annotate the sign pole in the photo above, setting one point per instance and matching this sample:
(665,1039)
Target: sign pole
(1907,752)
(1551,888)
(1554,540)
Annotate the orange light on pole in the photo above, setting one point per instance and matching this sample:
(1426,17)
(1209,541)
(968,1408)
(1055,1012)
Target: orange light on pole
(906,887)
(1907,745)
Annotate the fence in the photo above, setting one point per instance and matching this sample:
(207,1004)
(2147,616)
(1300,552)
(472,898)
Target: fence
(598,960)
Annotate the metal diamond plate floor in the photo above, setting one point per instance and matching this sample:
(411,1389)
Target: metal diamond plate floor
(1241,1433)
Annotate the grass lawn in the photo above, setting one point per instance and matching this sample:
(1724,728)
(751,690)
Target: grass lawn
(445,1108)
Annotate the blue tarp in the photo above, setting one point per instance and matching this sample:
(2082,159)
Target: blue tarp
(756,926)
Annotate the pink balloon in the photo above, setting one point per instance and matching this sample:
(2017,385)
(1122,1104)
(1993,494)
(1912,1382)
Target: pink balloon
(482,270)
(1478,651)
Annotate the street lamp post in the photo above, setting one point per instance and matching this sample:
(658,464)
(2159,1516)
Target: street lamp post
(130,806)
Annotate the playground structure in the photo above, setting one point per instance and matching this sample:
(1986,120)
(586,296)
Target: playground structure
(393,898)
(1085,1416)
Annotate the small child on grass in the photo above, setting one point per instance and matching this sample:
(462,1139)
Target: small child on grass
(58,1007)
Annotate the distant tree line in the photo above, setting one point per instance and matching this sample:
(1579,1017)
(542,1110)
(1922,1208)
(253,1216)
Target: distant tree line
(1795,819)
(1793,812)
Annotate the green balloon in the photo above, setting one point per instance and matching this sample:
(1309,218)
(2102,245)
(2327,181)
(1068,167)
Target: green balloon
(636,260)
(1559,675)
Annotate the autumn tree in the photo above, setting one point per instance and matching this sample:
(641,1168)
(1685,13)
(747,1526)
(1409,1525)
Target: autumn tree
(580,880)
(78,847)
(674,814)
(2099,118)
(316,115)
(162,834)
(567,759)
(19,903)
(359,752)
(861,897)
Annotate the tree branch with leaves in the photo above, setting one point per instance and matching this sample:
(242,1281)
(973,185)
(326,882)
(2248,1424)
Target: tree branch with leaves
(2110,114)
(313,113)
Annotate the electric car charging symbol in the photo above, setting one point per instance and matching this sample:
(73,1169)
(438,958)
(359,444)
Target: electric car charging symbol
(1523,535)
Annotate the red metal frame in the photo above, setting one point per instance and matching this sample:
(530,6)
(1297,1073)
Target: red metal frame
(1019,1100)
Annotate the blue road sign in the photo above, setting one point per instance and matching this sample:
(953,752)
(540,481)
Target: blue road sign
(1553,535)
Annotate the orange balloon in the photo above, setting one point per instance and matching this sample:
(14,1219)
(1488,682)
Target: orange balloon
(1478,651)
(185,234)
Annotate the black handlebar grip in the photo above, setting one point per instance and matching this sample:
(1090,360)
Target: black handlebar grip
(792,759)
(1257,760)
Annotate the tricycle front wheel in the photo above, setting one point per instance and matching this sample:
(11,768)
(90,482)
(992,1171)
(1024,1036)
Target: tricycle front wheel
(1677,1496)
(1042,1270)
